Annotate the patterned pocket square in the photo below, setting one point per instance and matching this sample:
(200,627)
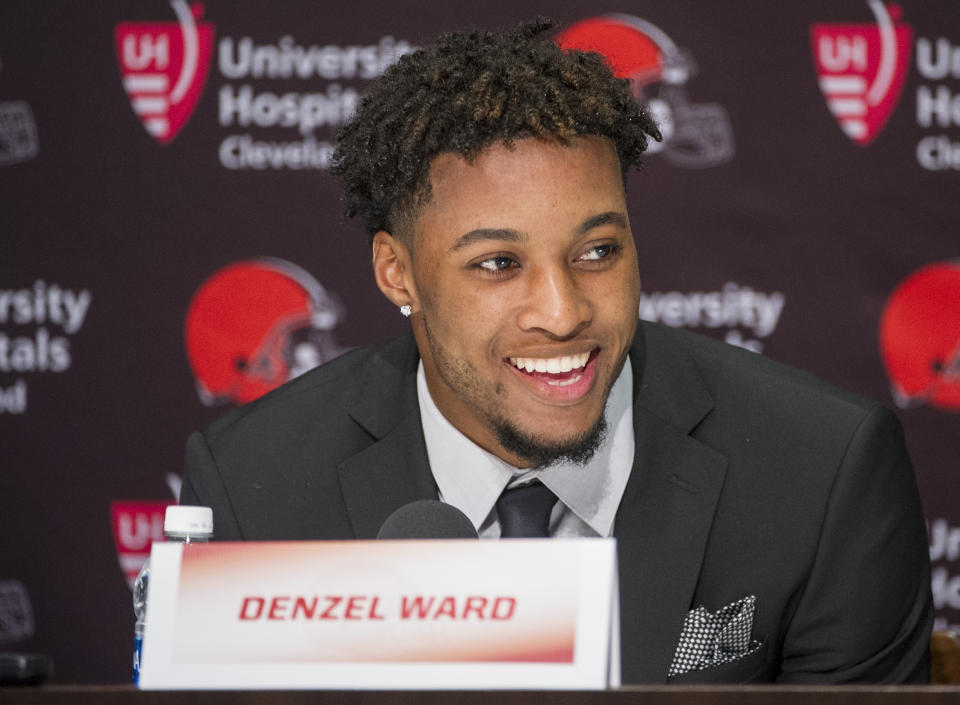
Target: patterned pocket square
(710,639)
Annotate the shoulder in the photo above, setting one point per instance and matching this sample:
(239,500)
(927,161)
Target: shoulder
(269,469)
(759,413)
(318,398)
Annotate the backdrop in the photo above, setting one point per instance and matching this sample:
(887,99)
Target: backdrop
(173,245)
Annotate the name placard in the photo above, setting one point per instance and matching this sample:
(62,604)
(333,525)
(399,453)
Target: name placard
(445,614)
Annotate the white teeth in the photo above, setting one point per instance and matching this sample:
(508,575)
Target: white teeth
(552,365)
(564,382)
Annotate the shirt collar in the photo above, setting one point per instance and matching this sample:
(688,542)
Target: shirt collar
(471,479)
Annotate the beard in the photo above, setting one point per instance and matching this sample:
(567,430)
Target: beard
(542,452)
(461,377)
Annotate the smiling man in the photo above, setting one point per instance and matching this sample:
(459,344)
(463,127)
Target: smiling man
(524,292)
(768,525)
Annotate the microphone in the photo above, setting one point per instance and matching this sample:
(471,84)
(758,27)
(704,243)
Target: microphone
(427,519)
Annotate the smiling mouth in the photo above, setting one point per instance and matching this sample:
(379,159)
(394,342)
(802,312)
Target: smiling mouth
(560,371)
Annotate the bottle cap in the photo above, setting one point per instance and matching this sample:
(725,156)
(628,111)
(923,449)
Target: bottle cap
(181,519)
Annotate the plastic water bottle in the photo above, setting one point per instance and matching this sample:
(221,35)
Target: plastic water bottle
(181,524)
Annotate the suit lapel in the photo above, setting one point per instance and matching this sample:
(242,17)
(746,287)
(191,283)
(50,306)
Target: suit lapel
(394,469)
(387,475)
(666,512)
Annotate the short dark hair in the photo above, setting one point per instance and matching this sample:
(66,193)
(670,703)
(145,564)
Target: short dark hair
(466,92)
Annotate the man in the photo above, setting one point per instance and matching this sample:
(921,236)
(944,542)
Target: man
(768,525)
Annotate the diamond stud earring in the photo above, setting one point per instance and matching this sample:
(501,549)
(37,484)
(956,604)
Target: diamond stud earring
(405,310)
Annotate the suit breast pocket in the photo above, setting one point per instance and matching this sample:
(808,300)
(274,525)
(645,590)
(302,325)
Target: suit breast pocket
(751,668)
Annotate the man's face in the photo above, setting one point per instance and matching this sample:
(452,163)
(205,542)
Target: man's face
(525,291)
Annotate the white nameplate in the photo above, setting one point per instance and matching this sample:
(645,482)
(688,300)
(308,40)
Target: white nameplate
(451,614)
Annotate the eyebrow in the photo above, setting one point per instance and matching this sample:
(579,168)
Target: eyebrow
(501,234)
(596,221)
(508,235)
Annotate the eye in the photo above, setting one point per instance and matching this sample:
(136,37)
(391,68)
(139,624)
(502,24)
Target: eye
(599,252)
(496,264)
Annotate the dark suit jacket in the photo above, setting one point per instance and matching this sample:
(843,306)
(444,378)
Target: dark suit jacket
(750,478)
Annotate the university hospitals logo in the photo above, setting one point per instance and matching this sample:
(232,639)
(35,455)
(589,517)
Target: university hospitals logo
(256,324)
(920,338)
(164,67)
(694,134)
(862,69)
(136,525)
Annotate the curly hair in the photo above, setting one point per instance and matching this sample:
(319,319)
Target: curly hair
(466,92)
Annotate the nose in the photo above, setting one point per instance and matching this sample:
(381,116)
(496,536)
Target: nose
(555,304)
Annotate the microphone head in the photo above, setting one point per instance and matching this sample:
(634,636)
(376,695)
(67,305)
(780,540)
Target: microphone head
(427,519)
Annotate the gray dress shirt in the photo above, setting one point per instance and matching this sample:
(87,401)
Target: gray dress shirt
(471,479)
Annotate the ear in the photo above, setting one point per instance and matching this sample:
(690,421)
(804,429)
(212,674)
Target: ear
(392,269)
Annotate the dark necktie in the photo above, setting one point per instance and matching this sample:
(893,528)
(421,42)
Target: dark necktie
(524,511)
